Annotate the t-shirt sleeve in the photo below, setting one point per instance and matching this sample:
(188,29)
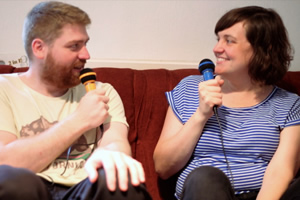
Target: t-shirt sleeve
(184,98)
(6,117)
(293,117)
(116,108)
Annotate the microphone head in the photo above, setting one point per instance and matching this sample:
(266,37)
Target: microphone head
(206,64)
(87,75)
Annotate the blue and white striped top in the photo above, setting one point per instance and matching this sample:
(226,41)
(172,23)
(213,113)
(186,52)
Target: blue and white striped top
(250,135)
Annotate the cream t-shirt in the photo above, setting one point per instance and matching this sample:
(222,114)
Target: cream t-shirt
(25,112)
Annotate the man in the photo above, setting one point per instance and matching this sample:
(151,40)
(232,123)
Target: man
(49,124)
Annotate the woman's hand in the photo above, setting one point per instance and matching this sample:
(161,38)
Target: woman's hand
(210,95)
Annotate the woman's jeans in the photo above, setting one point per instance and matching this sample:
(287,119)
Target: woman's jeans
(20,183)
(209,183)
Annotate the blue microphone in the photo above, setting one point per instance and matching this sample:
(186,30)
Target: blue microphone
(207,68)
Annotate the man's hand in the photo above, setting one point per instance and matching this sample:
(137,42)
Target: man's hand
(93,108)
(116,165)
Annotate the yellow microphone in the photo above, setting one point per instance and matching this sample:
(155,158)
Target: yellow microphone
(88,78)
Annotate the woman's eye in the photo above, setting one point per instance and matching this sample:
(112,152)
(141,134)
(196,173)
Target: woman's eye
(229,41)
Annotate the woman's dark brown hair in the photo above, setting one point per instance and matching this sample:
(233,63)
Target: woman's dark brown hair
(272,51)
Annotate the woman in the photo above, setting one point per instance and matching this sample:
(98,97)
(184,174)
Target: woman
(249,149)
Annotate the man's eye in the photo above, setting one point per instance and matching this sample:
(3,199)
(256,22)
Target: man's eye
(74,46)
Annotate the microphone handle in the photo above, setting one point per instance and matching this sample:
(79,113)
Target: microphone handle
(215,109)
(90,86)
(207,75)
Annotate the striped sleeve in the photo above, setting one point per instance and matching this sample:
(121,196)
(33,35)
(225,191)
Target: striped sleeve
(184,98)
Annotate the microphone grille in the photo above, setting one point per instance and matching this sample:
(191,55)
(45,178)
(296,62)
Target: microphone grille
(206,64)
(87,75)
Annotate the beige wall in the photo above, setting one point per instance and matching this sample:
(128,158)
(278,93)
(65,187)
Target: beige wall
(146,33)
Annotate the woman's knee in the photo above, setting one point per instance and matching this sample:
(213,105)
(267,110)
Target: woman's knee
(206,179)
(208,174)
(203,182)
(293,191)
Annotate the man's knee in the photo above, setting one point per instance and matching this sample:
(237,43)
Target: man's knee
(14,177)
(10,172)
(133,192)
(20,183)
(103,183)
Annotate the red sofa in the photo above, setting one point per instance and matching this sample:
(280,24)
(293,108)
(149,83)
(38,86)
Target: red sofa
(142,92)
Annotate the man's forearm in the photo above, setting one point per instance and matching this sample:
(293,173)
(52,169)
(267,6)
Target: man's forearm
(37,152)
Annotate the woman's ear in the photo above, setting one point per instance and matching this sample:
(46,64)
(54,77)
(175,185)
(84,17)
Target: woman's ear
(39,48)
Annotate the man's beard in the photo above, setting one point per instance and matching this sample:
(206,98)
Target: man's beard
(58,75)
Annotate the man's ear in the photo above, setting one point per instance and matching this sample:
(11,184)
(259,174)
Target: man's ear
(39,48)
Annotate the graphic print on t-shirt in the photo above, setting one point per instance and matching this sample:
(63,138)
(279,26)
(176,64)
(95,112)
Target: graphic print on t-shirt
(80,148)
